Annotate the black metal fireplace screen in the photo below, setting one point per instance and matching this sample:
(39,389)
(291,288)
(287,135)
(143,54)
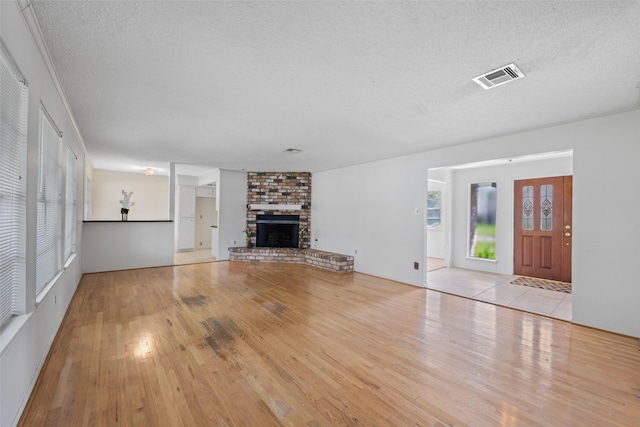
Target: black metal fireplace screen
(277,231)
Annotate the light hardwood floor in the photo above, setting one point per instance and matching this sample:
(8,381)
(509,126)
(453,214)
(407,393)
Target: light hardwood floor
(237,344)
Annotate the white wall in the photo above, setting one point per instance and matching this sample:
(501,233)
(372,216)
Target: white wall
(86,189)
(206,216)
(231,197)
(109,246)
(25,341)
(369,211)
(150,194)
(606,230)
(503,175)
(351,204)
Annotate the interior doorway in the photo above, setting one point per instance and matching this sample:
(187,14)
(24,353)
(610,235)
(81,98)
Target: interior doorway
(447,222)
(195,214)
(542,228)
(436,223)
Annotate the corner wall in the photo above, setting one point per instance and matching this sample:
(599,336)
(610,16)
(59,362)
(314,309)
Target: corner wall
(369,211)
(606,230)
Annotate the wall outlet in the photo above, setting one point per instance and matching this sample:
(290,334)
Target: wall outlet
(416,266)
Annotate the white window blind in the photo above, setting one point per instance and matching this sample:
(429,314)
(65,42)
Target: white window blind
(71,203)
(49,227)
(13,162)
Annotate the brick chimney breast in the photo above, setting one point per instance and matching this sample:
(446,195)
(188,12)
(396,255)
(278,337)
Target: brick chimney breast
(281,188)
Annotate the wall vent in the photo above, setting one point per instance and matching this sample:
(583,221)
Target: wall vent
(499,76)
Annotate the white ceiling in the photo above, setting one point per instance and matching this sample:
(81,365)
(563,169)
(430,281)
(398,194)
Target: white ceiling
(233,84)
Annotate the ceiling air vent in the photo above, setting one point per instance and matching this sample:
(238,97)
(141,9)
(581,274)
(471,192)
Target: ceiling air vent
(499,76)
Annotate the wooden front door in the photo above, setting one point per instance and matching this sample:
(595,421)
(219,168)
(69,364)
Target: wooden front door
(542,228)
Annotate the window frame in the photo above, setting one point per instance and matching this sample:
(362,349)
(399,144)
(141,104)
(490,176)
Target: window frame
(14,116)
(50,206)
(472,216)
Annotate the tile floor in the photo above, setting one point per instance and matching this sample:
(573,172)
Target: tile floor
(434,263)
(193,257)
(497,289)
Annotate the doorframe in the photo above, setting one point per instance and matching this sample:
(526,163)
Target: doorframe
(446,211)
(567,210)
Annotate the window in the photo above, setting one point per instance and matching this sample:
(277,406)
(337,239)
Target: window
(71,203)
(49,223)
(482,220)
(527,207)
(13,163)
(546,207)
(434,209)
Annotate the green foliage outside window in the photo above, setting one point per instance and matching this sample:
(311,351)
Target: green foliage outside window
(434,209)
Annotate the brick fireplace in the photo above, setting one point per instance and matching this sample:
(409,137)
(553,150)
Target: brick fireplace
(288,192)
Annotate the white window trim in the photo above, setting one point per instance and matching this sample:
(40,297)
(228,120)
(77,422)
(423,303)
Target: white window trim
(14,296)
(58,240)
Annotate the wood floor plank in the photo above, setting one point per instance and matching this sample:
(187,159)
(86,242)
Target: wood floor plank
(235,344)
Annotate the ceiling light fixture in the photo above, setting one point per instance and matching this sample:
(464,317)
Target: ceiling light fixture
(149,171)
(499,76)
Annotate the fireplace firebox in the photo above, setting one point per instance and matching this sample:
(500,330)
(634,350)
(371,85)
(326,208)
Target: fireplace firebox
(277,231)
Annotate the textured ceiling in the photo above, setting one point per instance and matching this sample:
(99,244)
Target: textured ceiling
(233,84)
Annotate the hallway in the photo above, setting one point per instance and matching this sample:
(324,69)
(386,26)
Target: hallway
(497,289)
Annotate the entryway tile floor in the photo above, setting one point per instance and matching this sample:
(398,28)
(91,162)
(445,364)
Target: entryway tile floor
(497,289)
(193,257)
